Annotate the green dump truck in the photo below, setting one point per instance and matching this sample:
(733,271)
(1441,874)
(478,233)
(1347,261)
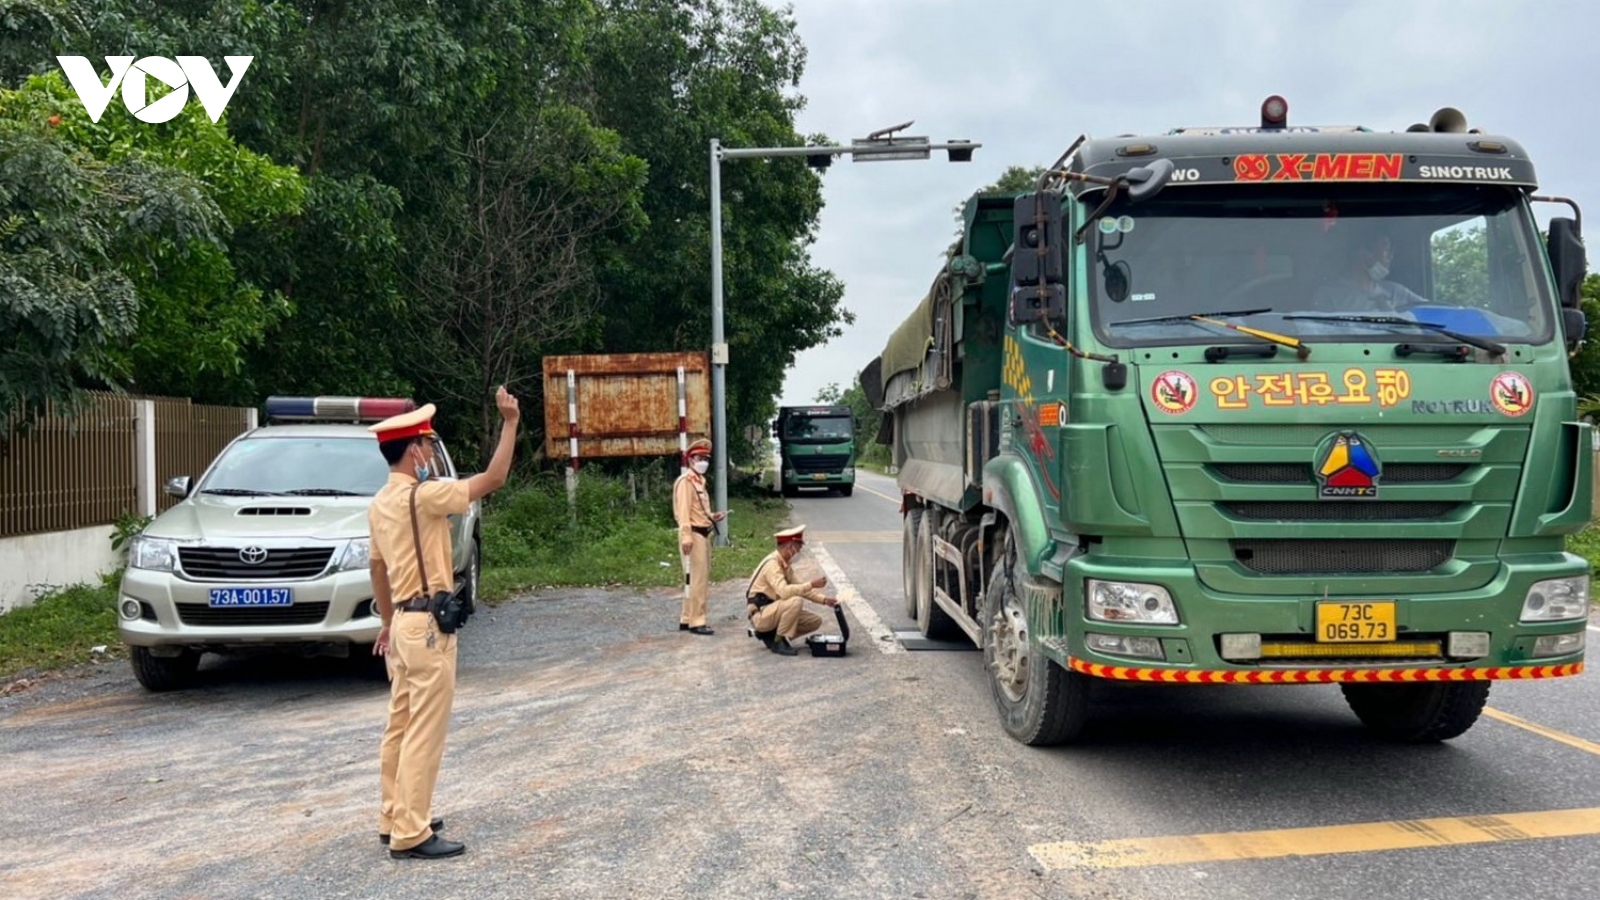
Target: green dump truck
(816,448)
(1251,405)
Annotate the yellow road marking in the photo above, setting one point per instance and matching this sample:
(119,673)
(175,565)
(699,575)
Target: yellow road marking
(1551,733)
(857,537)
(1359,838)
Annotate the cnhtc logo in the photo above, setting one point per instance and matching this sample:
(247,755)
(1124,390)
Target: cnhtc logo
(187,72)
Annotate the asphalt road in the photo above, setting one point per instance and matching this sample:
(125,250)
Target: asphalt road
(595,751)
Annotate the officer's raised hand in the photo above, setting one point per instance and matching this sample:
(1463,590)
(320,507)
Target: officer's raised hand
(509,410)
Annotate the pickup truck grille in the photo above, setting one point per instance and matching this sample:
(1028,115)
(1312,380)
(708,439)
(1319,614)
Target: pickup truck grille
(1340,557)
(242,616)
(226,564)
(820,462)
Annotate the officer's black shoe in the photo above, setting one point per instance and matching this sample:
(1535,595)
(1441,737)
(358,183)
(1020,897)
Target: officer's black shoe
(683,626)
(701,629)
(781,645)
(436,825)
(766,637)
(434,847)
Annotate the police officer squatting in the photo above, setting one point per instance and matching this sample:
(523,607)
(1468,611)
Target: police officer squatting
(412,585)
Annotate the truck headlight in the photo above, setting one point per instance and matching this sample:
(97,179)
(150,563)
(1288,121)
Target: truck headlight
(849,471)
(357,555)
(1557,599)
(155,554)
(1123,601)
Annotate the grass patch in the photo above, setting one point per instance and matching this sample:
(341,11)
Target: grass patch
(1586,544)
(59,629)
(620,536)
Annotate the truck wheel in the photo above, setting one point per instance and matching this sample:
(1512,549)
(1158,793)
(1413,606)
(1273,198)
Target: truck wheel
(934,622)
(790,490)
(163,673)
(1040,703)
(910,523)
(1417,713)
(846,490)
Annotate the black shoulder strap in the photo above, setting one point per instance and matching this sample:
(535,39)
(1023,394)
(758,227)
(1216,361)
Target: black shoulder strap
(416,536)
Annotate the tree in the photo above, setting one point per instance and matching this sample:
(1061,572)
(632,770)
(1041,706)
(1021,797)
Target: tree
(510,273)
(868,421)
(1015,179)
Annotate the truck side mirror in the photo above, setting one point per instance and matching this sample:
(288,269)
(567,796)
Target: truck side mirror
(775,430)
(1039,303)
(1574,325)
(1568,259)
(1036,239)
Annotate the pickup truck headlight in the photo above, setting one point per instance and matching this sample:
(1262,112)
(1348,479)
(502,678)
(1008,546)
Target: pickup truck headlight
(1125,601)
(154,554)
(357,555)
(1557,599)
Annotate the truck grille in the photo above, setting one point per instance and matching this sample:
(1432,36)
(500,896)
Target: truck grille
(225,563)
(1335,511)
(821,462)
(1300,473)
(1341,557)
(241,616)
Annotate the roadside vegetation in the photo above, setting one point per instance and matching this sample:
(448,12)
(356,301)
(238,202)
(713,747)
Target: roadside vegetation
(619,535)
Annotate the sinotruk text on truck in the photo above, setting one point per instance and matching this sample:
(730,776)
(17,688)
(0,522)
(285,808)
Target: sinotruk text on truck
(1251,405)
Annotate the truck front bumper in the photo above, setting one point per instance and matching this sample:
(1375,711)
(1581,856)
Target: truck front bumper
(1468,635)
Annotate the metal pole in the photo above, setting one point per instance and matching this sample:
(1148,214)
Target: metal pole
(719,350)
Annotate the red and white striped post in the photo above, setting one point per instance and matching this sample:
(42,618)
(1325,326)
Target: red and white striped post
(572,442)
(683,423)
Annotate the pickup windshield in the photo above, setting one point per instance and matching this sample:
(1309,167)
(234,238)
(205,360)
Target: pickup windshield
(1460,257)
(299,466)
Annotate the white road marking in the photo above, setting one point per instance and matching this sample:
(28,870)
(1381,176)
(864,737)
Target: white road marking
(882,637)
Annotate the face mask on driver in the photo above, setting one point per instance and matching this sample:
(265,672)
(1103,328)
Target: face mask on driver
(1377,271)
(701,465)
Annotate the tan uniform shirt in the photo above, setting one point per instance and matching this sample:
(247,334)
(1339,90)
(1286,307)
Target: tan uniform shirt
(775,578)
(691,506)
(389,518)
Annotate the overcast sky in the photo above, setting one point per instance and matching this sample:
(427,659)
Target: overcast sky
(1026,77)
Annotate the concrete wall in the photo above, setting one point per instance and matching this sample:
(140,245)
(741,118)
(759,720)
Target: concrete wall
(37,563)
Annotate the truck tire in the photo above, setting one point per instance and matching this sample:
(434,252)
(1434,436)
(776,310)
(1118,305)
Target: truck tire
(1040,703)
(910,523)
(932,620)
(163,673)
(1417,713)
(846,490)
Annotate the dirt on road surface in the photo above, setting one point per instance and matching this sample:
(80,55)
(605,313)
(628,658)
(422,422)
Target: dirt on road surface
(594,751)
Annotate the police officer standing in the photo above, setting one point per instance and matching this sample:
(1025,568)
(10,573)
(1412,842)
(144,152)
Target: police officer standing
(691,506)
(775,600)
(411,560)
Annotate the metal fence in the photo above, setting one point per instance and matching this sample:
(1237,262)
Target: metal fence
(189,437)
(83,470)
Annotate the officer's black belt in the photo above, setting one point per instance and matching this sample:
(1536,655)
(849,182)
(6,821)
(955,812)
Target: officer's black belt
(703,531)
(761,600)
(415,604)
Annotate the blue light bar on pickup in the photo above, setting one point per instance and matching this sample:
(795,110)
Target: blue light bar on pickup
(337,409)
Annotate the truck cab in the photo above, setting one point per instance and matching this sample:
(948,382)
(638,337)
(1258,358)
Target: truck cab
(1244,405)
(816,448)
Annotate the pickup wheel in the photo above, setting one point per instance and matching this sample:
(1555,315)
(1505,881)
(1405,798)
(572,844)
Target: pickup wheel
(1040,703)
(1417,713)
(909,525)
(469,581)
(932,620)
(164,673)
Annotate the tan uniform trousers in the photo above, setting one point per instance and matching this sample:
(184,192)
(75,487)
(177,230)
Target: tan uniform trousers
(787,617)
(696,580)
(421,691)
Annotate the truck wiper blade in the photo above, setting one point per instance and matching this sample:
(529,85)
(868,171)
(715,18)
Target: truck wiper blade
(1493,348)
(1195,317)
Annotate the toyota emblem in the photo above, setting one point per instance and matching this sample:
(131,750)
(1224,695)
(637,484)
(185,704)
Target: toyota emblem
(253,556)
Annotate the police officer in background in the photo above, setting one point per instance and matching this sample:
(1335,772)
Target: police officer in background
(774,600)
(691,506)
(411,560)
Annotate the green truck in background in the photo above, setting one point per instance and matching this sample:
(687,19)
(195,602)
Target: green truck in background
(816,448)
(1251,405)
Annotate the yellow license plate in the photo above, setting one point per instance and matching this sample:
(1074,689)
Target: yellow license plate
(819,478)
(1361,620)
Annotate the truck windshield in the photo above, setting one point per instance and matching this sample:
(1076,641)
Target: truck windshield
(289,465)
(1462,257)
(818,428)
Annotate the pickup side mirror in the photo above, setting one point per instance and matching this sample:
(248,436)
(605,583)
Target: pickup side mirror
(177,487)
(1568,259)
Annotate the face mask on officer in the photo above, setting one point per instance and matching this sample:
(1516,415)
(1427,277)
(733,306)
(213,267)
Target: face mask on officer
(421,466)
(700,465)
